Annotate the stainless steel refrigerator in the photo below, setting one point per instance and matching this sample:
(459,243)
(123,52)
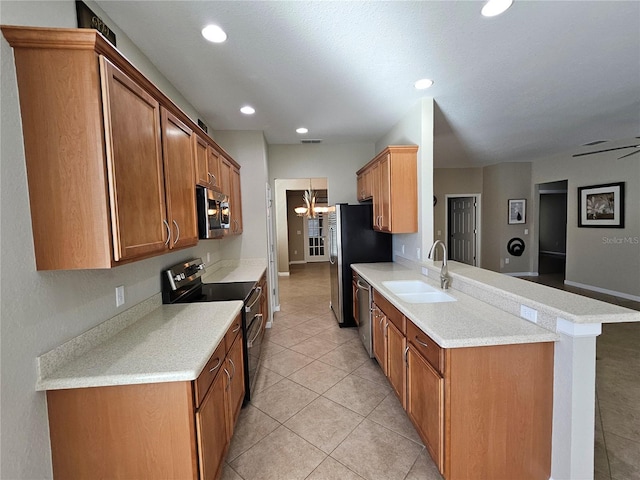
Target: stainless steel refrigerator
(352,239)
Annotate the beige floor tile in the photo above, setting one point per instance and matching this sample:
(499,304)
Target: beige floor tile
(624,457)
(358,394)
(265,379)
(312,327)
(371,371)
(288,338)
(286,362)
(620,419)
(331,469)
(389,413)
(229,473)
(253,425)
(376,453)
(283,400)
(347,356)
(313,347)
(424,468)
(282,455)
(324,424)
(318,376)
(335,336)
(269,348)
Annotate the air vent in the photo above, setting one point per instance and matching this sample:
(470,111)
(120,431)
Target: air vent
(309,140)
(597,142)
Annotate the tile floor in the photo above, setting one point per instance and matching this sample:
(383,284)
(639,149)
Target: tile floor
(617,440)
(322,409)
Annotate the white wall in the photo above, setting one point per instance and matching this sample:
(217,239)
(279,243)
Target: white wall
(416,128)
(604,258)
(337,163)
(249,149)
(41,310)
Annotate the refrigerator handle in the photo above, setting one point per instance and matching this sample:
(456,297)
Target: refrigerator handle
(331,259)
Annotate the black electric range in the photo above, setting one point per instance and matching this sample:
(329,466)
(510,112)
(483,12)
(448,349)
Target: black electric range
(182,283)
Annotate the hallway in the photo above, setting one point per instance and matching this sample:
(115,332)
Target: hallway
(323,409)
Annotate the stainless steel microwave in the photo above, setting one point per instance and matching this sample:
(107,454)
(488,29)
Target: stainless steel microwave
(213,213)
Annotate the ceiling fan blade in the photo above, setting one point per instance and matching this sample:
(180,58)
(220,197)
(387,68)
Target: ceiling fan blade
(629,154)
(605,150)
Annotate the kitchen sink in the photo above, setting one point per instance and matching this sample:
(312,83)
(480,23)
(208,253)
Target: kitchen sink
(417,291)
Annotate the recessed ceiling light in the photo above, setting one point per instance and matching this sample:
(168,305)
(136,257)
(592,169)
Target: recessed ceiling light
(302,130)
(214,34)
(423,83)
(495,7)
(248,110)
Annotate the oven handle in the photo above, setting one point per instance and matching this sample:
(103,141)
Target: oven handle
(250,342)
(258,295)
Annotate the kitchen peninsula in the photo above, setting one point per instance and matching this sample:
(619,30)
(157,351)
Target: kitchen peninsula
(487,312)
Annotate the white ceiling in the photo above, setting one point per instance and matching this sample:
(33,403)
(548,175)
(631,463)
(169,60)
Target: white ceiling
(543,78)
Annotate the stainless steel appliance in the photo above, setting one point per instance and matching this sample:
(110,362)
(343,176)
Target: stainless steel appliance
(364,310)
(213,213)
(352,239)
(182,284)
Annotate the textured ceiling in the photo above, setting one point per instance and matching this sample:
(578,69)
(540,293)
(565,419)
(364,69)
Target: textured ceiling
(543,78)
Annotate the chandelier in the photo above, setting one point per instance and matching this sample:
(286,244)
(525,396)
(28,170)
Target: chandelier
(309,209)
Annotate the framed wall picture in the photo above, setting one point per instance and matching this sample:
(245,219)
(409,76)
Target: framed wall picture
(517,211)
(601,206)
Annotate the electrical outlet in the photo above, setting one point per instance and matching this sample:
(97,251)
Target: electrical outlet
(120,296)
(403,248)
(526,231)
(439,232)
(208,257)
(295,252)
(418,253)
(506,261)
(529,313)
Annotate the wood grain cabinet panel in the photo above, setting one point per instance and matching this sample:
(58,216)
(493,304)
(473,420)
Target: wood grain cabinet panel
(379,340)
(392,177)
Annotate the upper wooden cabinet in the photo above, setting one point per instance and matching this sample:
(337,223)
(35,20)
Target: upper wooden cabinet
(230,185)
(391,181)
(111,161)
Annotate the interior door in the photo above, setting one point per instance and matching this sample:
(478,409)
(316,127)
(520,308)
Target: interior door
(462,230)
(315,234)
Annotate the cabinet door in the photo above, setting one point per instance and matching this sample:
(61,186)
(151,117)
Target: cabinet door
(214,167)
(211,425)
(179,181)
(377,198)
(396,368)
(236,202)
(384,193)
(379,330)
(202,162)
(235,387)
(225,176)
(134,166)
(425,404)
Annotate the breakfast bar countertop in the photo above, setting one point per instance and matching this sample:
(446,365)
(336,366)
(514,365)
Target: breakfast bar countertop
(467,322)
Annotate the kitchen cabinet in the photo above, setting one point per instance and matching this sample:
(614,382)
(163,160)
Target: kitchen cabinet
(177,153)
(235,202)
(106,187)
(207,164)
(379,337)
(393,180)
(152,430)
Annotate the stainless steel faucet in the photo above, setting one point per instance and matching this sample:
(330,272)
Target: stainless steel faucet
(445,280)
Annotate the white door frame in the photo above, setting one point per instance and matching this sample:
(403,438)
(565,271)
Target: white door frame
(272,269)
(477,198)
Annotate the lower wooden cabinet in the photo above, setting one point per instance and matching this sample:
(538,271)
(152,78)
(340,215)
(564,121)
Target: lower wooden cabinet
(482,412)
(150,431)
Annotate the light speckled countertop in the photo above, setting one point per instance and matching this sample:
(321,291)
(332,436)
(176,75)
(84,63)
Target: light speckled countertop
(171,343)
(247,270)
(467,322)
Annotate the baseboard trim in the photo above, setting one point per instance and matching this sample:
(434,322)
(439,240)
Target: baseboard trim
(521,274)
(283,274)
(297,262)
(626,296)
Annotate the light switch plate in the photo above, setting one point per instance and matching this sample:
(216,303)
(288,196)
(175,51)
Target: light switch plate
(529,313)
(120,296)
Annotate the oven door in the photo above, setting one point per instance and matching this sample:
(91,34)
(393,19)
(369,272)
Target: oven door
(254,335)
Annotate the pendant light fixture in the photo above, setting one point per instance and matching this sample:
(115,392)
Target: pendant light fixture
(309,209)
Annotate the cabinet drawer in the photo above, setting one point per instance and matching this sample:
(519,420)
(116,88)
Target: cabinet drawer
(231,334)
(209,372)
(392,313)
(429,349)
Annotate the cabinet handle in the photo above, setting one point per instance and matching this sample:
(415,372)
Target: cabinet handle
(258,296)
(175,242)
(421,343)
(406,351)
(216,367)
(209,176)
(250,342)
(166,224)
(234,368)
(228,378)
(236,329)
(215,180)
